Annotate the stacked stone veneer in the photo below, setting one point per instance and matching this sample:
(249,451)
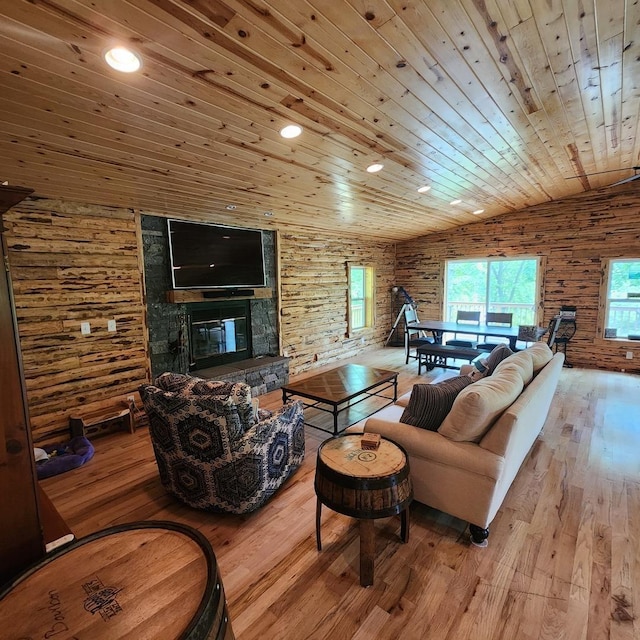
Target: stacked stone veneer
(168,333)
(261,374)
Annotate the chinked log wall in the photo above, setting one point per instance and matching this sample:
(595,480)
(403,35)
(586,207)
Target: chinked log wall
(313,276)
(71,264)
(575,234)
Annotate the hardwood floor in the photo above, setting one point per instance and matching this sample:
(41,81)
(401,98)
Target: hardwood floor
(563,559)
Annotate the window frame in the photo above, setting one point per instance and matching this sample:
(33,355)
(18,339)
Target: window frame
(368,301)
(538,302)
(605,299)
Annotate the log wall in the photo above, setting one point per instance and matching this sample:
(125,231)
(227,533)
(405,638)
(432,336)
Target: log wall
(575,235)
(72,263)
(69,264)
(313,299)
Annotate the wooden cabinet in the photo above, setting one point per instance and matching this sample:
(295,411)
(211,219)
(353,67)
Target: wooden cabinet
(21,537)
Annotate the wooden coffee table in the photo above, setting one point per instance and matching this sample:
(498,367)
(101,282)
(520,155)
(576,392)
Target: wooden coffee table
(339,387)
(364,484)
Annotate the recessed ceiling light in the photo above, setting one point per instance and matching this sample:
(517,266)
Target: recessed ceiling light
(478,212)
(374,168)
(423,189)
(122,59)
(291,131)
(230,207)
(455,202)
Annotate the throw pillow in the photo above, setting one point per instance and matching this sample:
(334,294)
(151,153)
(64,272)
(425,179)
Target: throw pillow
(476,408)
(430,403)
(498,354)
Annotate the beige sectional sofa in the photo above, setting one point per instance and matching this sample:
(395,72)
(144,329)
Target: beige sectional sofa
(466,467)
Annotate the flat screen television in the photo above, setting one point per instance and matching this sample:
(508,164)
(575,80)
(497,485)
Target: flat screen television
(213,256)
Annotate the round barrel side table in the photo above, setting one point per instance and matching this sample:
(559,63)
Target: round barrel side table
(364,484)
(153,580)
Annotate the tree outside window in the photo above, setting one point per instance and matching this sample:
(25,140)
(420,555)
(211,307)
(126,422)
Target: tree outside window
(498,285)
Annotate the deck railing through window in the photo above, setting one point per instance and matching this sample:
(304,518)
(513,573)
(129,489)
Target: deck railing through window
(624,318)
(522,313)
(357,314)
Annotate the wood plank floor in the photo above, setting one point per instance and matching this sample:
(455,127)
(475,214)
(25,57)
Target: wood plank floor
(563,559)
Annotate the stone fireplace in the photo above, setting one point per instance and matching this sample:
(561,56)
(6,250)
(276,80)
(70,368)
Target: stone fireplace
(233,340)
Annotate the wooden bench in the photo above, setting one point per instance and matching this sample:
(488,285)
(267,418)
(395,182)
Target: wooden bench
(435,355)
(97,422)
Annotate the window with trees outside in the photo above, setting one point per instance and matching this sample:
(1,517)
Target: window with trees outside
(497,285)
(623,298)
(361,296)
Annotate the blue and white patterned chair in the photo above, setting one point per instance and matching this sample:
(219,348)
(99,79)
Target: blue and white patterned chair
(211,452)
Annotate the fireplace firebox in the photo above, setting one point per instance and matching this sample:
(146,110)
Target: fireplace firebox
(219,333)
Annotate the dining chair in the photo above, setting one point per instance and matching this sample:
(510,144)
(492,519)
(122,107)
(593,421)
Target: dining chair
(496,319)
(465,318)
(413,338)
(528,334)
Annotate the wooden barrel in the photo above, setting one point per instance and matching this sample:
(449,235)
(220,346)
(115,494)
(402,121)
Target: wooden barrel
(363,483)
(144,580)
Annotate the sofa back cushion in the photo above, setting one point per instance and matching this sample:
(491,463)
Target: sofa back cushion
(430,403)
(479,405)
(541,354)
(524,363)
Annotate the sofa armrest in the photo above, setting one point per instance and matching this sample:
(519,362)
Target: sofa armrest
(430,445)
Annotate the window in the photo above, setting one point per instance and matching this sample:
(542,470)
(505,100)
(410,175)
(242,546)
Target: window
(361,297)
(499,285)
(623,298)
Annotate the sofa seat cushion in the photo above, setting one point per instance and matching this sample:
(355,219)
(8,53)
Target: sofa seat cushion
(429,404)
(403,400)
(479,405)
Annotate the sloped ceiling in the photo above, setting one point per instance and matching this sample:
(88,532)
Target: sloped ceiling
(499,104)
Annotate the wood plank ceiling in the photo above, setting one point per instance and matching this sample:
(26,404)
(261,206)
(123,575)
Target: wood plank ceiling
(499,104)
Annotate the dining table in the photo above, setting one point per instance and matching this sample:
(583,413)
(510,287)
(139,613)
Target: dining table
(439,327)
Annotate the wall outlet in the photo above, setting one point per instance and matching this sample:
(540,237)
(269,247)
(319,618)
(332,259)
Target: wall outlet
(111,325)
(629,355)
(85,328)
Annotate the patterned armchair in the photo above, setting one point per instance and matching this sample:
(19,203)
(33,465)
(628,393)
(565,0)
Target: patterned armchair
(211,452)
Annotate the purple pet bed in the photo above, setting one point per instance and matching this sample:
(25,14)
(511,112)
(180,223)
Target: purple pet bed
(64,456)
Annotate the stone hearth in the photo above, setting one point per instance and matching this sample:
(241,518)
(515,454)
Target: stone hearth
(262,374)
